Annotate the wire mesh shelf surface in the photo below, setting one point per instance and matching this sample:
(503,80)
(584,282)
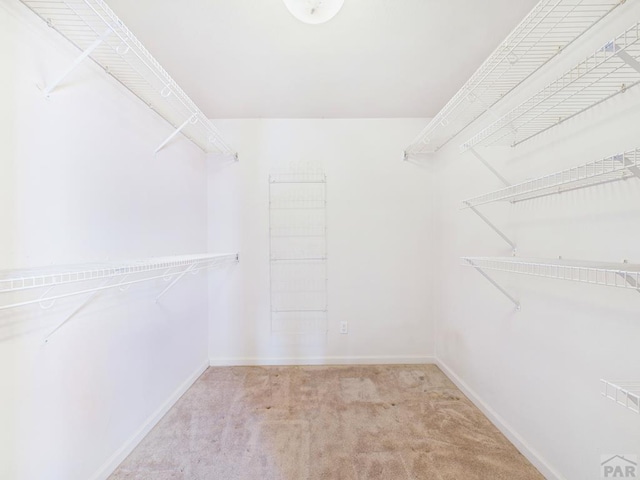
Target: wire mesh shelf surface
(122,55)
(611,70)
(623,275)
(626,394)
(550,27)
(610,169)
(21,282)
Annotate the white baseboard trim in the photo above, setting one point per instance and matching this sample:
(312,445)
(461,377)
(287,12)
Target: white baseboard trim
(532,455)
(363,360)
(116,459)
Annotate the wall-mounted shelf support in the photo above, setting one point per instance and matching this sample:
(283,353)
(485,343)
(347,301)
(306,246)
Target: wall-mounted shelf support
(88,51)
(494,283)
(632,165)
(176,280)
(46,305)
(193,119)
(506,182)
(630,279)
(494,228)
(626,394)
(629,60)
(89,298)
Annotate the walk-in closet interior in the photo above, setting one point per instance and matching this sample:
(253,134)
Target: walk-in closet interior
(319,239)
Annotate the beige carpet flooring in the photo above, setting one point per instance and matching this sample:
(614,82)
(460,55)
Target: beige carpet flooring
(330,423)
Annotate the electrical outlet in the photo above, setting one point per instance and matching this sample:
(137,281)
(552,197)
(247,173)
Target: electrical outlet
(344,328)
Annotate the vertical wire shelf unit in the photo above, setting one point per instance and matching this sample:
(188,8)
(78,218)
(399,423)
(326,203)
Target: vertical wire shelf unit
(609,71)
(98,33)
(626,394)
(298,253)
(546,31)
(45,286)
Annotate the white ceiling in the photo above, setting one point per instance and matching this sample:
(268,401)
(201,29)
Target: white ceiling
(376,58)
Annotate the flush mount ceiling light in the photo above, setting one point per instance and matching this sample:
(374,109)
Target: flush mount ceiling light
(314,11)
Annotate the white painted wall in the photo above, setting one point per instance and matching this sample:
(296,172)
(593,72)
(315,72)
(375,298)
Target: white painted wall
(379,242)
(537,371)
(79,183)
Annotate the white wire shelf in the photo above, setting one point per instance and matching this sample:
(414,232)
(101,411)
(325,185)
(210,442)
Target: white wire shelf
(626,394)
(298,250)
(36,286)
(623,275)
(609,71)
(549,28)
(93,27)
(610,169)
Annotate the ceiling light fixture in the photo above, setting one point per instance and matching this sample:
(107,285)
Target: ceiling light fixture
(314,11)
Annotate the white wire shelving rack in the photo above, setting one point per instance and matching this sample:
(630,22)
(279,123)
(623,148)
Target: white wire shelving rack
(45,286)
(626,394)
(617,167)
(622,275)
(549,28)
(611,169)
(96,30)
(298,252)
(611,70)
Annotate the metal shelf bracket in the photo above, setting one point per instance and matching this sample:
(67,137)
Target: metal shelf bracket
(89,297)
(193,119)
(506,182)
(190,268)
(629,60)
(44,304)
(629,280)
(632,166)
(495,284)
(47,90)
(493,227)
